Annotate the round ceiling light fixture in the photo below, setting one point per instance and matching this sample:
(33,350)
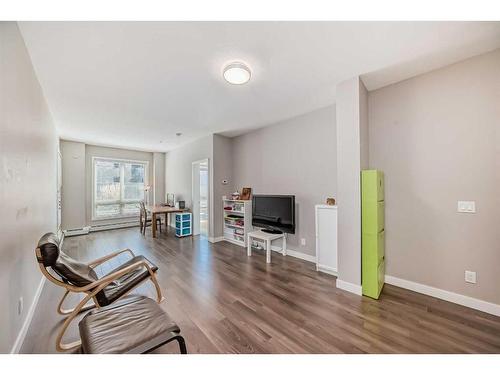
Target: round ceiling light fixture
(237,73)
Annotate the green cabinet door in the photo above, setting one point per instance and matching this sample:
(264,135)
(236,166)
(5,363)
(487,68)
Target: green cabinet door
(372,232)
(372,216)
(372,185)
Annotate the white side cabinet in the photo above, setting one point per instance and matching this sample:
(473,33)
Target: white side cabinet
(326,239)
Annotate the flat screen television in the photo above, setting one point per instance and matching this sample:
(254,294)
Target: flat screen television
(275,213)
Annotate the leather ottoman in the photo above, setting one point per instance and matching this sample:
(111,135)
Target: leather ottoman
(133,325)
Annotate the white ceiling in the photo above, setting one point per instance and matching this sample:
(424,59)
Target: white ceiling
(135,84)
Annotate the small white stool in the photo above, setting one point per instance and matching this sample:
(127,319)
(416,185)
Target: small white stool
(267,238)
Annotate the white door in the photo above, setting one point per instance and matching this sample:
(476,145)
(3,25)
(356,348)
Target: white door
(200,189)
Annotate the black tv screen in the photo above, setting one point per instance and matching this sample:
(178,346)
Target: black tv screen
(275,212)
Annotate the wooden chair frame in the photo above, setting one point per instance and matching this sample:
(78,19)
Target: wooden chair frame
(91,291)
(143,219)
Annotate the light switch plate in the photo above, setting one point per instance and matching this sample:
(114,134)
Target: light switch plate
(303,241)
(468,207)
(470,277)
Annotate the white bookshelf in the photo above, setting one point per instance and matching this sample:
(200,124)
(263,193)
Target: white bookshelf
(237,220)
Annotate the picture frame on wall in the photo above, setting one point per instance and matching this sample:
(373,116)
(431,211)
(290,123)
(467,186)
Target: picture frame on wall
(246,193)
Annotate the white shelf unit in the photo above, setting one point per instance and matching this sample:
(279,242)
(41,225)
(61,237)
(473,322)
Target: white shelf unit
(237,220)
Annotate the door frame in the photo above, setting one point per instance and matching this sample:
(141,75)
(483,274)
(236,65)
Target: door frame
(196,220)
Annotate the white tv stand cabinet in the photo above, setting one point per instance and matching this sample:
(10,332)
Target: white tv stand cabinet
(268,238)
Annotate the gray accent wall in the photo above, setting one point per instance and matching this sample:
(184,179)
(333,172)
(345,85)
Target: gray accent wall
(437,139)
(28,179)
(297,156)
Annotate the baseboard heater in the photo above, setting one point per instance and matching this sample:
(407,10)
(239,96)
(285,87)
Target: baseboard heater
(76,231)
(127,224)
(99,227)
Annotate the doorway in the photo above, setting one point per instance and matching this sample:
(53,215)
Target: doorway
(200,197)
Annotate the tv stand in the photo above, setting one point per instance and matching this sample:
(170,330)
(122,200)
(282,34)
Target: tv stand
(272,231)
(267,238)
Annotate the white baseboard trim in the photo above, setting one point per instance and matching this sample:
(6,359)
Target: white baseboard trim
(27,321)
(459,299)
(215,239)
(350,287)
(295,254)
(326,269)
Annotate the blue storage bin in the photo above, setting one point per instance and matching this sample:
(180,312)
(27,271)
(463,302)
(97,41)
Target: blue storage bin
(183,224)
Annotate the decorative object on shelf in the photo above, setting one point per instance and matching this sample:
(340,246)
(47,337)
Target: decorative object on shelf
(330,201)
(235,196)
(170,200)
(183,226)
(246,192)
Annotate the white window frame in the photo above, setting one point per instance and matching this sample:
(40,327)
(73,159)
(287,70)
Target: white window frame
(94,186)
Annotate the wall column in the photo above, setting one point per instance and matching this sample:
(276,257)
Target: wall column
(352,157)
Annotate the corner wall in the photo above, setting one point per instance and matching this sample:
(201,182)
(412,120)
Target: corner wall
(28,179)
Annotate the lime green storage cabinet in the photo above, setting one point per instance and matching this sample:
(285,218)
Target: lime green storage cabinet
(372,232)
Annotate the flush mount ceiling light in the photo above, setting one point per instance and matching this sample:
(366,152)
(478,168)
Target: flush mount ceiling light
(237,73)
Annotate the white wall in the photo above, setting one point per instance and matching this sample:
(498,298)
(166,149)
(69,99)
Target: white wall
(73,185)
(222,170)
(296,156)
(437,139)
(159,196)
(352,156)
(28,178)
(178,175)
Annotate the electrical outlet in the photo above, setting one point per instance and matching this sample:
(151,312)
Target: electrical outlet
(468,207)
(20,306)
(470,277)
(303,241)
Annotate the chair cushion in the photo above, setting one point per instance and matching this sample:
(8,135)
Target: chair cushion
(70,270)
(125,283)
(76,273)
(135,324)
(49,249)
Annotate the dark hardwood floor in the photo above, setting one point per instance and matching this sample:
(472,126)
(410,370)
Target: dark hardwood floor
(225,302)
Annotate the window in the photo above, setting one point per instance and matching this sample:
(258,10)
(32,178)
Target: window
(118,187)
